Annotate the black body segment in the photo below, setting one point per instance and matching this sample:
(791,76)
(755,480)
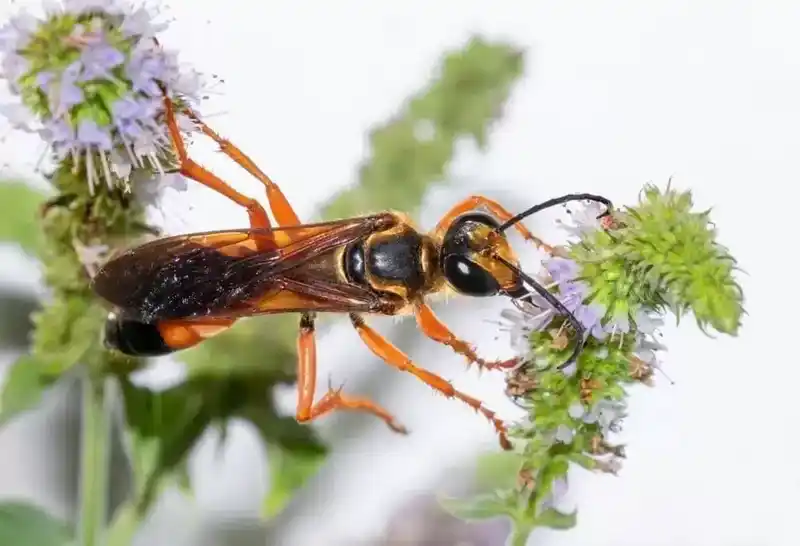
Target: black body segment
(134,338)
(397,259)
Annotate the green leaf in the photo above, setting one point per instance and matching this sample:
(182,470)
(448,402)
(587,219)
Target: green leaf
(162,429)
(481,507)
(23,524)
(19,221)
(554,519)
(289,471)
(65,331)
(498,470)
(23,388)
(259,345)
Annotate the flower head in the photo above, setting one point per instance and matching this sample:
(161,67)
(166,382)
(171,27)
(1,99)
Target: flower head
(92,77)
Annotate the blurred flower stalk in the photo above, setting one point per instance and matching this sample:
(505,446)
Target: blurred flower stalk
(89,78)
(620,274)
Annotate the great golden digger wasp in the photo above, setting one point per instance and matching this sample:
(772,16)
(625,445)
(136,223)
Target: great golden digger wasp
(173,293)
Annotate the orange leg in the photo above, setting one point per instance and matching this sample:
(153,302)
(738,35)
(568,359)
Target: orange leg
(282,210)
(190,169)
(476,201)
(396,358)
(307,410)
(435,329)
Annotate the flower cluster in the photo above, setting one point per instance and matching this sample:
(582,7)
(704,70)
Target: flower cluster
(90,78)
(618,277)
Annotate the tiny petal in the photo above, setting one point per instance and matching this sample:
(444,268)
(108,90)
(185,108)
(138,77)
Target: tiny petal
(19,116)
(564,434)
(576,410)
(99,60)
(90,134)
(561,269)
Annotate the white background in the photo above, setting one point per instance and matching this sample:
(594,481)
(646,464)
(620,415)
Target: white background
(616,94)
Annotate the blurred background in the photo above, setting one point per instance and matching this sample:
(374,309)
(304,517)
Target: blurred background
(615,94)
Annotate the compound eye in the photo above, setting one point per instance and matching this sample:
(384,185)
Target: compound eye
(469,278)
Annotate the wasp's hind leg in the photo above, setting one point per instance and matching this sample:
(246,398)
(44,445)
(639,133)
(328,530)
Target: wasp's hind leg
(396,358)
(435,329)
(307,410)
(282,210)
(191,169)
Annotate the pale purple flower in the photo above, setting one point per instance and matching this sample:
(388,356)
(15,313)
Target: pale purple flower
(584,219)
(80,96)
(13,68)
(65,94)
(576,410)
(98,60)
(16,32)
(564,434)
(92,135)
(608,415)
(140,23)
(113,7)
(557,494)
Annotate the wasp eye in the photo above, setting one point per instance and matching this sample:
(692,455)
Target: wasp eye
(469,278)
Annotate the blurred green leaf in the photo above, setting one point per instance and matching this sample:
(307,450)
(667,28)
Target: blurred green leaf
(289,471)
(411,152)
(66,329)
(480,507)
(162,429)
(257,345)
(554,519)
(19,221)
(497,470)
(23,388)
(16,324)
(22,524)
(165,426)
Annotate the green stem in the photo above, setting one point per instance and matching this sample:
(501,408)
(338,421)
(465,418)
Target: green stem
(520,533)
(95,469)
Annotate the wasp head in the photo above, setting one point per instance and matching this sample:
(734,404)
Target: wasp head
(475,255)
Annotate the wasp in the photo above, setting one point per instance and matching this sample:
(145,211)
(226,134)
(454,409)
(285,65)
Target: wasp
(173,293)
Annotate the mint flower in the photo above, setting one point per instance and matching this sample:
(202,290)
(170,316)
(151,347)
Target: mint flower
(619,275)
(91,78)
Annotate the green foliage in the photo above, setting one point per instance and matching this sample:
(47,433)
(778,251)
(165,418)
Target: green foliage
(22,524)
(18,222)
(664,254)
(651,258)
(22,388)
(412,151)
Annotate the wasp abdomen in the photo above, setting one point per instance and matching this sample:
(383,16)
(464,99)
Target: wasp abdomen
(134,338)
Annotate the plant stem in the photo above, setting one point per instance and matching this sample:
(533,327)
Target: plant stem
(520,533)
(96,433)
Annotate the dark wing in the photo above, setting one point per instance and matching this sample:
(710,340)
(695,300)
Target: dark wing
(218,273)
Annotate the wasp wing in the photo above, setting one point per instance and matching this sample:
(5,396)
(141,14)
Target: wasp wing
(218,273)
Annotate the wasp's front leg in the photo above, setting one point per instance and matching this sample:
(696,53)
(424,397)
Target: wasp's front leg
(393,356)
(435,329)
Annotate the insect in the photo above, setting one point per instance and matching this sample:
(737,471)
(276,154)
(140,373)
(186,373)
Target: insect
(175,292)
